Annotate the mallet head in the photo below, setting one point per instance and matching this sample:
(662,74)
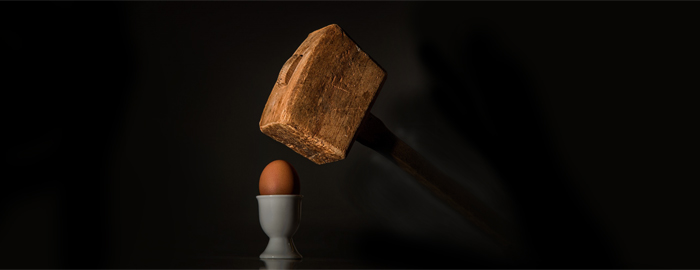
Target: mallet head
(321,96)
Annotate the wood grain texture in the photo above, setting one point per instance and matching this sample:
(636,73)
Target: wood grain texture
(320,104)
(321,96)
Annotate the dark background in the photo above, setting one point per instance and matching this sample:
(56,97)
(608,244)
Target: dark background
(132,139)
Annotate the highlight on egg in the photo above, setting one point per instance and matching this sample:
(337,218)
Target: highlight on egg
(279,178)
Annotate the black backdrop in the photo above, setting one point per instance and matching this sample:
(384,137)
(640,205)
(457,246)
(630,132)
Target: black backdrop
(131,135)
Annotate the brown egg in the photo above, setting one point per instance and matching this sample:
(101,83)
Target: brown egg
(279,177)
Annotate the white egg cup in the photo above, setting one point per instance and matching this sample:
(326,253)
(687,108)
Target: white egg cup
(280,263)
(279,218)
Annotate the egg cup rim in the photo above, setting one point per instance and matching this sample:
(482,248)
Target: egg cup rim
(280,195)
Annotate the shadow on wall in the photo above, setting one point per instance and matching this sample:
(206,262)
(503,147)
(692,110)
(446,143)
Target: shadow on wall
(480,92)
(488,97)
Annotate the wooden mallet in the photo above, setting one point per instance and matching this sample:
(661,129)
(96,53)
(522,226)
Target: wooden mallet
(320,105)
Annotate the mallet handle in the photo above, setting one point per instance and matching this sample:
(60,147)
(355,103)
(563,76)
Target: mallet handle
(374,134)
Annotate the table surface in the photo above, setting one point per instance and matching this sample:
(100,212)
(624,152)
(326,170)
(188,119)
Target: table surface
(224,262)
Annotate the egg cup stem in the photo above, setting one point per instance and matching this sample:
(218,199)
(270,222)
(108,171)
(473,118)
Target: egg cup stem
(280,248)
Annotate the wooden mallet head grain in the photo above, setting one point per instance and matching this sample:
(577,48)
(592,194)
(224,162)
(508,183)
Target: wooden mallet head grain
(321,96)
(320,104)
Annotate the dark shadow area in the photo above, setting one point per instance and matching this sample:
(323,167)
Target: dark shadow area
(66,74)
(389,250)
(490,101)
